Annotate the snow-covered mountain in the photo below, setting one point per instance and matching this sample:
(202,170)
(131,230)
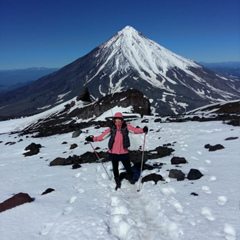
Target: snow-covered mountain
(127,60)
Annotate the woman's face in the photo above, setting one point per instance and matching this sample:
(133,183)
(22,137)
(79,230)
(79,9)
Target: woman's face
(118,120)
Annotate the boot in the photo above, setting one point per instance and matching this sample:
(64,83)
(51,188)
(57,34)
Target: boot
(129,177)
(118,183)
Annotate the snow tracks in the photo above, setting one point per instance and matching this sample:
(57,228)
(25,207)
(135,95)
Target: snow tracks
(137,216)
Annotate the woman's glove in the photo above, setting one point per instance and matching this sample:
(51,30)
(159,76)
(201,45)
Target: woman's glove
(145,129)
(89,139)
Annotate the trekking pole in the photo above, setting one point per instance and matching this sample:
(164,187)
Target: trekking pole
(100,160)
(142,161)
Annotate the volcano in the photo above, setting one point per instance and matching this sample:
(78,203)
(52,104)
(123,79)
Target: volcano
(128,60)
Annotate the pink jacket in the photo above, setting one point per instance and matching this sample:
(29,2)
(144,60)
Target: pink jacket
(118,142)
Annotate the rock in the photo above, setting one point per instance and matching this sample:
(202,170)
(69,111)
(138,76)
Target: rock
(57,161)
(10,143)
(32,149)
(194,194)
(48,191)
(76,133)
(178,160)
(207,146)
(214,148)
(65,161)
(15,201)
(73,146)
(231,138)
(76,165)
(178,174)
(194,174)
(152,177)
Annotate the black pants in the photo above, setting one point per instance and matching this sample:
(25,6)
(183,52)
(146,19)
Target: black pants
(124,158)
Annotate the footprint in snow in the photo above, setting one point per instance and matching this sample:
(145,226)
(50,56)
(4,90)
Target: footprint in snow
(98,169)
(206,189)
(72,199)
(120,210)
(208,162)
(212,178)
(206,212)
(80,190)
(67,210)
(46,228)
(222,200)
(78,175)
(176,204)
(230,232)
(167,191)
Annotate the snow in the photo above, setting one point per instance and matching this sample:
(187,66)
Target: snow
(85,205)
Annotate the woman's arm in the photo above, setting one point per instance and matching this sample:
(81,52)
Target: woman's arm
(134,130)
(103,136)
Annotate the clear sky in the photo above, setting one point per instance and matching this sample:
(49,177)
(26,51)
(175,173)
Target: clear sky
(54,33)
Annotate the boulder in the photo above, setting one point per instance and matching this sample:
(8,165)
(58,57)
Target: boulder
(194,174)
(16,200)
(32,149)
(178,174)
(178,160)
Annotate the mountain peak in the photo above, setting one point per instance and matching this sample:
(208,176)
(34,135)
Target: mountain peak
(128,30)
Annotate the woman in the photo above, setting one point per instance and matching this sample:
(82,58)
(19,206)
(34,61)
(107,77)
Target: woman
(118,145)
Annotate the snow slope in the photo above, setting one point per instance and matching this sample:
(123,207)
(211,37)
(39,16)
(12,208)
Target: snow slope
(85,206)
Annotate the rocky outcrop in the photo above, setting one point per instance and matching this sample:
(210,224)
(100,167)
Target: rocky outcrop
(66,121)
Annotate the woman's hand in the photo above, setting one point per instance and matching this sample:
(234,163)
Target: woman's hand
(89,139)
(145,129)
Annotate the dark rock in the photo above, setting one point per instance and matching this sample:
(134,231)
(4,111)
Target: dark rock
(65,161)
(194,174)
(178,160)
(48,191)
(207,146)
(57,161)
(85,96)
(194,194)
(178,174)
(161,152)
(231,138)
(152,177)
(32,149)
(15,201)
(76,165)
(73,146)
(216,147)
(10,143)
(213,148)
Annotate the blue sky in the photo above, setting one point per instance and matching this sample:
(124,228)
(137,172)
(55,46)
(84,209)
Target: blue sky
(54,33)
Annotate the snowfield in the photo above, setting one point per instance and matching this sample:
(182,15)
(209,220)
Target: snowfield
(85,206)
